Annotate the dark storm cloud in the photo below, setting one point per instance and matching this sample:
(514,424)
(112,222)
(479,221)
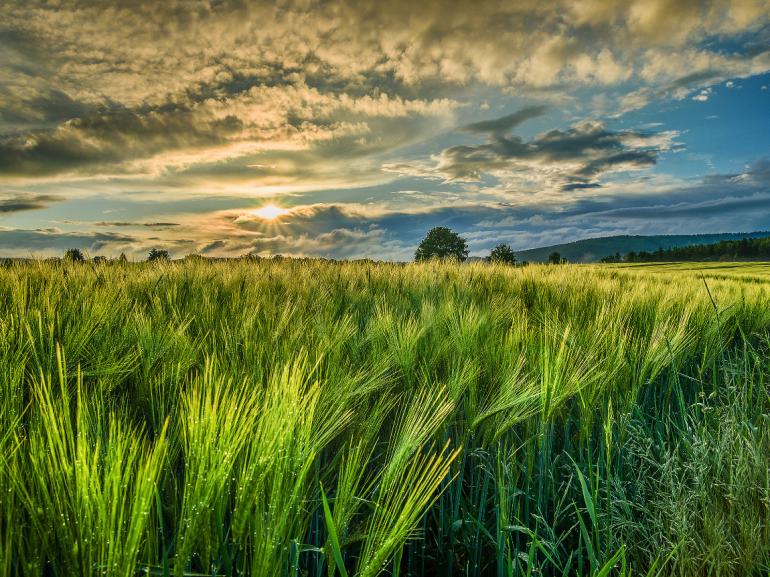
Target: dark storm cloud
(22,202)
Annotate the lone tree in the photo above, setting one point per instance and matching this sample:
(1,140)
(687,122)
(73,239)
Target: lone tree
(441,243)
(157,254)
(74,255)
(502,254)
(554,258)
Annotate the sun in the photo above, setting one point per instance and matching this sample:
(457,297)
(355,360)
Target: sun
(270,212)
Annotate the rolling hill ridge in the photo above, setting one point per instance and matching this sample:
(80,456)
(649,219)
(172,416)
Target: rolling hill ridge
(593,249)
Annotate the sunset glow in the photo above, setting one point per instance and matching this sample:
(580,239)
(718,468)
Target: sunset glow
(270,212)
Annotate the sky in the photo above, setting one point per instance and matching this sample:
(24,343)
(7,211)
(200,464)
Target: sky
(349,129)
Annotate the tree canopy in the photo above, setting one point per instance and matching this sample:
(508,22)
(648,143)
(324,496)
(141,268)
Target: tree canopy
(74,255)
(157,254)
(502,254)
(441,242)
(744,249)
(555,258)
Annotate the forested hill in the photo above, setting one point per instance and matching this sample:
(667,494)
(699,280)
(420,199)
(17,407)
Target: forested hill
(593,249)
(734,250)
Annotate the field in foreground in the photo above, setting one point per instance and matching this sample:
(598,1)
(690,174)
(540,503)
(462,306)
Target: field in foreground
(289,418)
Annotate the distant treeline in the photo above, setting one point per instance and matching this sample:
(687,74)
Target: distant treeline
(744,249)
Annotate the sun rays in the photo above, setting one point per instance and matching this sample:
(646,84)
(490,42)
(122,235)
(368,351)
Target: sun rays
(270,212)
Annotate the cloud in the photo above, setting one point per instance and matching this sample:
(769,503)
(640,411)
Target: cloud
(67,60)
(167,140)
(51,242)
(715,203)
(690,72)
(355,102)
(703,95)
(154,225)
(759,171)
(329,231)
(572,159)
(723,202)
(109,137)
(44,109)
(347,243)
(692,210)
(718,202)
(251,98)
(506,123)
(23,202)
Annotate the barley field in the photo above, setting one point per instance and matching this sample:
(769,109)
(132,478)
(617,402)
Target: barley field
(302,418)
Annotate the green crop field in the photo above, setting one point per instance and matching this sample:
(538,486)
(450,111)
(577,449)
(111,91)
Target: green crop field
(294,418)
(744,271)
